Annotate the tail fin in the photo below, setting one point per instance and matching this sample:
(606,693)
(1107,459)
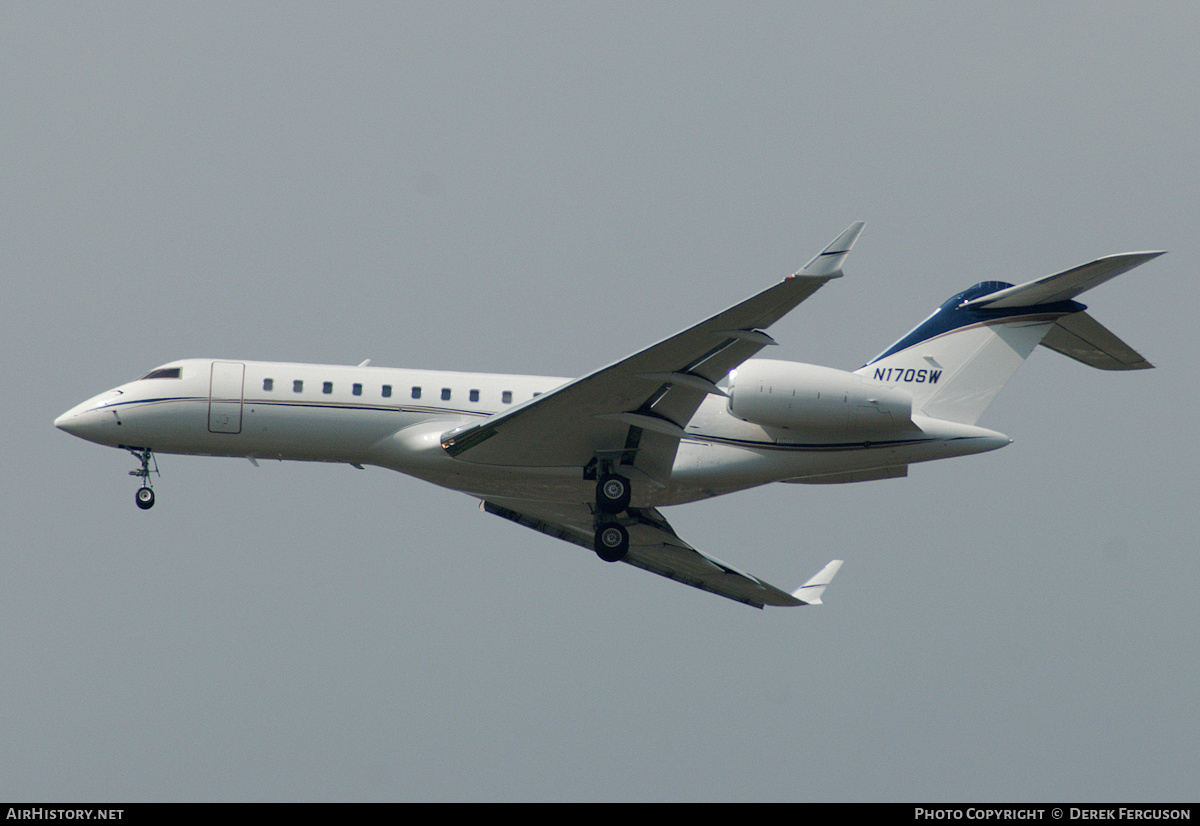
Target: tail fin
(957,360)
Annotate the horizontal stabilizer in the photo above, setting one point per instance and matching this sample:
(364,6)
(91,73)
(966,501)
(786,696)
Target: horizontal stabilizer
(1084,339)
(1065,285)
(810,592)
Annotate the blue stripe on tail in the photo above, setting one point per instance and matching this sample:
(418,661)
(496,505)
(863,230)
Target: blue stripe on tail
(952,315)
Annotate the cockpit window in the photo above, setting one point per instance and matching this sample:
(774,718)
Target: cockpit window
(164,373)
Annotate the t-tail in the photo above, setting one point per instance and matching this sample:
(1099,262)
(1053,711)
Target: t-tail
(957,360)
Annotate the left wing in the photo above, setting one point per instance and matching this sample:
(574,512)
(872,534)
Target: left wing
(635,410)
(654,546)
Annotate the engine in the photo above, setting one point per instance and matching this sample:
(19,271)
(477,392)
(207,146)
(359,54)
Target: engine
(794,396)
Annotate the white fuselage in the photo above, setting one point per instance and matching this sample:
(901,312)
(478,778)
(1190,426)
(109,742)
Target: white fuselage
(395,418)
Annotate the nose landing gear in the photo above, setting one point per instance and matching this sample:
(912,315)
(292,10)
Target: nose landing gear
(145,494)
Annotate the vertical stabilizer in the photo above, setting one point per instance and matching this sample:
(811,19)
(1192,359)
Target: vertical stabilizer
(956,361)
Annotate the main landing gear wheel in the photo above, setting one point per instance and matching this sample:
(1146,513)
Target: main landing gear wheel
(612,542)
(612,493)
(145,498)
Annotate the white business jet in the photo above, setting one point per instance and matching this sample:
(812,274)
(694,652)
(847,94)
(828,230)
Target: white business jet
(591,460)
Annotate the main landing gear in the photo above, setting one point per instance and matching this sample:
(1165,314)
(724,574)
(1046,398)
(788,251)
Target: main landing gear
(145,494)
(612,497)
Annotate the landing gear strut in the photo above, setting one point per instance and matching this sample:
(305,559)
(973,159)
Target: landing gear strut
(145,494)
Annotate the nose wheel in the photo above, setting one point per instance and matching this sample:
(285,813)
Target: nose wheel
(145,494)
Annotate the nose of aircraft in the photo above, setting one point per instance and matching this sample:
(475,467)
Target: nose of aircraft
(87,420)
(75,421)
(63,422)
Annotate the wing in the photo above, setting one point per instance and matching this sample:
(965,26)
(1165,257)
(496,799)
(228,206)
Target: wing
(636,409)
(655,547)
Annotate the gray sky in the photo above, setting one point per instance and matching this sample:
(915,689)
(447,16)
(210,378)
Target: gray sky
(543,188)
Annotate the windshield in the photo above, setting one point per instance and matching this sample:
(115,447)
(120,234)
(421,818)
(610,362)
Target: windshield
(164,373)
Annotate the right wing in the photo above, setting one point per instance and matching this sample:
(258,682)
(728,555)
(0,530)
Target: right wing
(655,547)
(635,409)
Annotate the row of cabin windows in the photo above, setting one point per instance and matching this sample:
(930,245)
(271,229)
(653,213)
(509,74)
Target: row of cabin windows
(386,390)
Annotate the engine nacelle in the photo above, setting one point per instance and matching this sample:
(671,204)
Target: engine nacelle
(794,396)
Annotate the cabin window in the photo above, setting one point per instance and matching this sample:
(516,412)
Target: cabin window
(445,394)
(356,389)
(535,395)
(474,395)
(297,386)
(164,373)
(268,384)
(327,387)
(387,391)
(416,394)
(506,397)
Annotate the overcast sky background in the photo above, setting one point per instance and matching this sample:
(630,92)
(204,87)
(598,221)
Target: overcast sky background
(544,188)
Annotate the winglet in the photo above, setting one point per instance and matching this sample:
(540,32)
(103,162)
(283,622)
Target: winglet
(810,592)
(828,264)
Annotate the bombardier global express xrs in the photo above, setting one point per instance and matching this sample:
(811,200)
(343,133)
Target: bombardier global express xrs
(591,460)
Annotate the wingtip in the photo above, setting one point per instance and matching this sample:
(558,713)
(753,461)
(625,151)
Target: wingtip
(810,592)
(828,263)
(845,242)
(1137,257)
(1147,254)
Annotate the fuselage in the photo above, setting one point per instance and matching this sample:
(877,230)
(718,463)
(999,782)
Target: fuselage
(394,418)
